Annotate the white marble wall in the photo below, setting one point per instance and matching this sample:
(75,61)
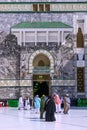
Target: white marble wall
(86,68)
(7,68)
(8,20)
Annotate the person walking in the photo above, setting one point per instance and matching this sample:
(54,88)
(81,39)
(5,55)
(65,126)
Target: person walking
(26,103)
(20,103)
(66,104)
(37,101)
(50,109)
(58,103)
(42,106)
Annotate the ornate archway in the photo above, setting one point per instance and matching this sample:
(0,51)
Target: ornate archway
(38,52)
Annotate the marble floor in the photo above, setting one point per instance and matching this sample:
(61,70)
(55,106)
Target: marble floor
(13,119)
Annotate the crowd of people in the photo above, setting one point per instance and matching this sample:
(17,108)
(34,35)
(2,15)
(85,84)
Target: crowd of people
(25,103)
(45,106)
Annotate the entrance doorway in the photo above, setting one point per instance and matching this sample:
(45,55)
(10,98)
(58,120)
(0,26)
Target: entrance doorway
(41,84)
(40,88)
(41,74)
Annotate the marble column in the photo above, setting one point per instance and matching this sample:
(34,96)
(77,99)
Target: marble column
(20,38)
(23,38)
(35,38)
(47,37)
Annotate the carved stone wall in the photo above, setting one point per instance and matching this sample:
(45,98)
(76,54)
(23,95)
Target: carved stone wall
(62,90)
(14,65)
(9,92)
(64,60)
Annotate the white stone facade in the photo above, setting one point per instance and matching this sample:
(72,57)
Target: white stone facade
(62,61)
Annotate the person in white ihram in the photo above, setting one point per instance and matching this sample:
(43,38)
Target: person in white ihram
(20,103)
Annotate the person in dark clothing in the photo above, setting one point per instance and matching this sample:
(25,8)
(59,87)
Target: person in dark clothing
(50,109)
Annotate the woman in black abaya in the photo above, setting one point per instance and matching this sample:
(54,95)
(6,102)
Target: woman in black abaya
(50,109)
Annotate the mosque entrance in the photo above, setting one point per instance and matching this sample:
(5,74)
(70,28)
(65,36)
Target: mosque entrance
(41,74)
(40,88)
(41,85)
